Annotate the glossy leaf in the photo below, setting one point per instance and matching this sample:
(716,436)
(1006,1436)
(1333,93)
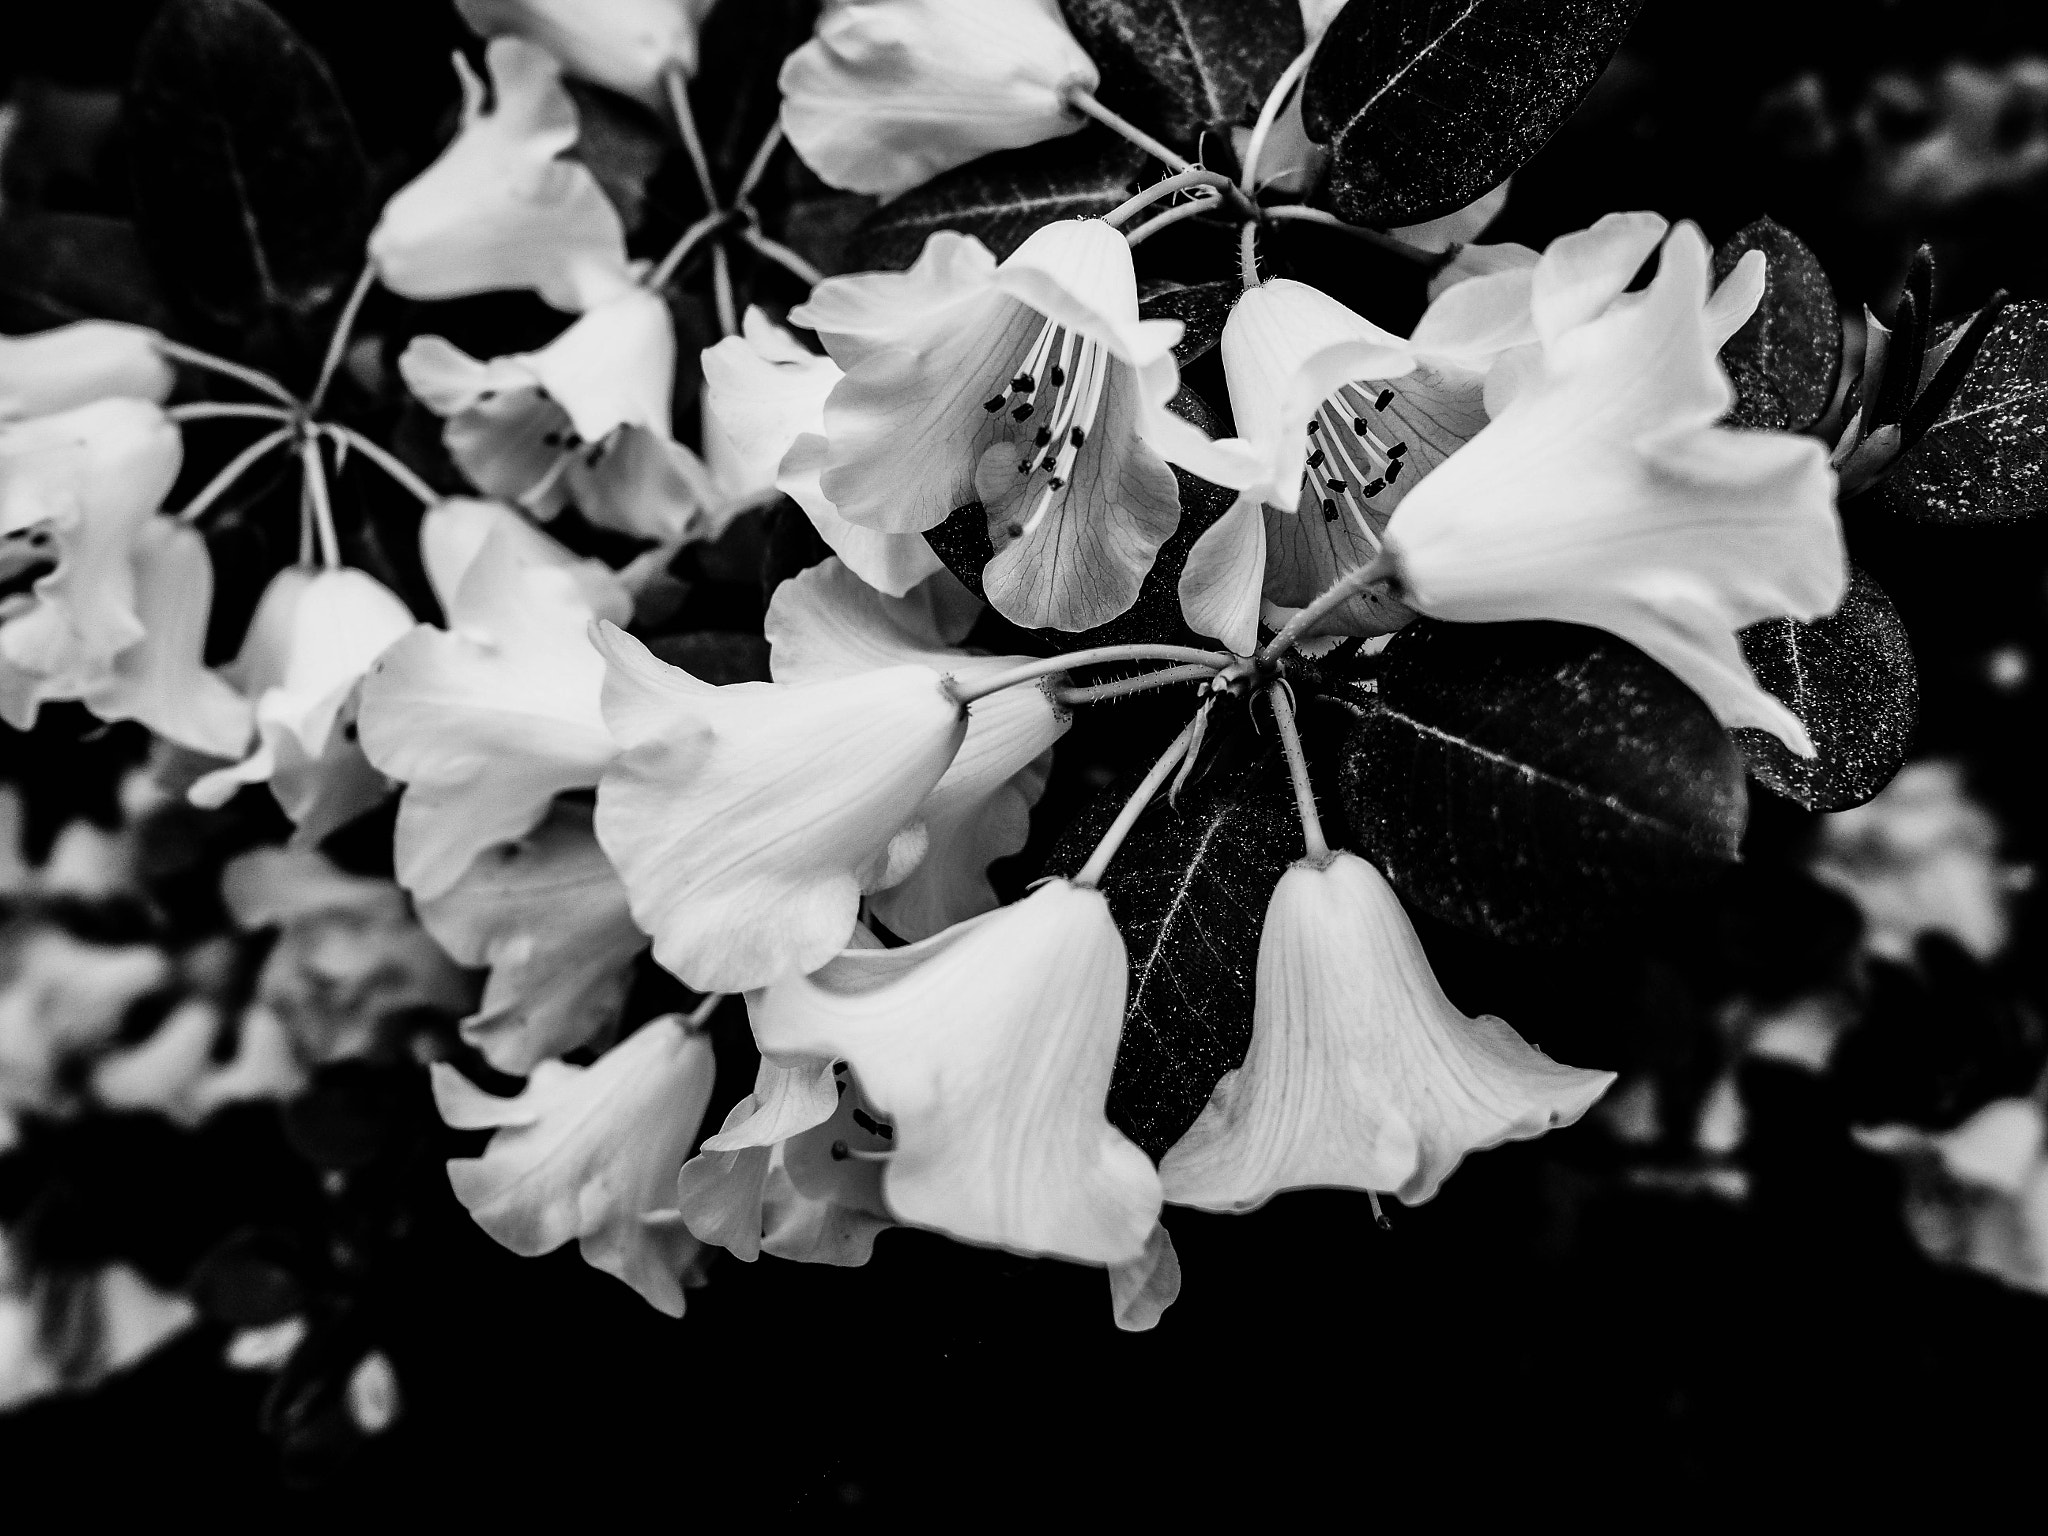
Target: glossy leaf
(1785,359)
(1176,67)
(1984,457)
(1425,104)
(1529,779)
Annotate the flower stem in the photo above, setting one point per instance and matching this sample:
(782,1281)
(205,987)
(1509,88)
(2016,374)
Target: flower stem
(700,1015)
(232,471)
(721,289)
(1101,655)
(1091,873)
(337,344)
(323,509)
(385,461)
(208,410)
(1248,255)
(1081,101)
(1318,849)
(783,257)
(1128,685)
(686,124)
(1187,210)
(263,383)
(758,166)
(1345,587)
(1380,238)
(1269,114)
(692,237)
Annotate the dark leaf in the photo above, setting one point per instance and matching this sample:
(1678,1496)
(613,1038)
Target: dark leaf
(1530,779)
(1985,456)
(1189,890)
(740,50)
(250,188)
(716,655)
(248,1281)
(1425,104)
(1786,357)
(1851,681)
(623,145)
(1176,67)
(1001,199)
(1201,307)
(59,267)
(349,1116)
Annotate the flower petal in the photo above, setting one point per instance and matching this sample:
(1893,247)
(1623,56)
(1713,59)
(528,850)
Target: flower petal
(1225,573)
(625,45)
(73,365)
(1582,273)
(1142,1290)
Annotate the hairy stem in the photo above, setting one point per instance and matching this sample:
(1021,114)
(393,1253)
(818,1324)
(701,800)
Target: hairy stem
(1187,210)
(1098,862)
(1101,655)
(337,344)
(1248,255)
(208,410)
(692,237)
(1345,587)
(386,461)
(783,257)
(678,88)
(232,471)
(1142,683)
(1317,847)
(259,381)
(1181,181)
(1081,101)
(323,509)
(1269,114)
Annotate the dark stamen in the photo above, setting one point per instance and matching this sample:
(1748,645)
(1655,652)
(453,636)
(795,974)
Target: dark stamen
(1358,425)
(871,1125)
(1314,427)
(1315,459)
(1057,376)
(992,406)
(1393,470)
(1340,486)
(1372,488)
(1397,450)
(1077,437)
(1022,412)
(1386,399)
(840,1152)
(1329,510)
(1044,436)
(1023,384)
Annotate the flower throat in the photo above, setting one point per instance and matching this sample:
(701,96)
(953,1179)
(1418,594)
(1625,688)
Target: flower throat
(1059,388)
(1349,460)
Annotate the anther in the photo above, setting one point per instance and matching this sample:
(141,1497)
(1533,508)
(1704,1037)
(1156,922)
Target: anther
(1393,470)
(1379,1217)
(992,406)
(1044,436)
(1358,425)
(872,1126)
(1340,486)
(1022,412)
(1016,530)
(1057,376)
(1329,510)
(1386,399)
(1372,488)
(1023,384)
(1314,427)
(1077,437)
(1315,458)
(1397,450)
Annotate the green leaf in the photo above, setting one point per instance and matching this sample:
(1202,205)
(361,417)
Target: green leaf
(1786,358)
(1425,104)
(251,191)
(1984,458)
(1529,780)
(1000,199)
(1851,681)
(1177,67)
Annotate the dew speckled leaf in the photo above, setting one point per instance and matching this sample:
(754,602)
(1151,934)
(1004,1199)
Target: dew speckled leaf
(1202,308)
(1985,457)
(1425,104)
(1528,780)
(1851,680)
(1784,360)
(1175,67)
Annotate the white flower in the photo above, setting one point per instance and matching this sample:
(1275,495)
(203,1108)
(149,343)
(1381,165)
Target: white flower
(1978,1195)
(627,45)
(549,917)
(76,364)
(747,820)
(586,418)
(989,1047)
(764,401)
(1361,1074)
(889,93)
(487,721)
(590,1153)
(826,623)
(1031,386)
(501,208)
(1142,1290)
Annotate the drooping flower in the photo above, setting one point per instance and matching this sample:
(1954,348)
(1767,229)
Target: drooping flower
(1361,1074)
(747,820)
(313,636)
(1978,1195)
(989,1048)
(584,419)
(548,916)
(1030,385)
(764,399)
(487,721)
(76,489)
(73,365)
(826,623)
(627,45)
(889,93)
(502,208)
(591,1153)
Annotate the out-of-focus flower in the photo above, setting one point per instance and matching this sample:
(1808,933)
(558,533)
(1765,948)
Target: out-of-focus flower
(173,1072)
(584,419)
(1978,1195)
(627,45)
(313,636)
(372,1394)
(487,721)
(889,93)
(764,399)
(989,1048)
(502,208)
(62,1000)
(349,966)
(746,821)
(827,623)
(1920,858)
(73,365)
(549,917)
(68,1333)
(1361,1074)
(1032,386)
(76,488)
(591,1153)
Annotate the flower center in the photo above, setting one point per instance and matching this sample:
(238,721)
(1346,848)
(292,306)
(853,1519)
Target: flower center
(1352,456)
(1052,402)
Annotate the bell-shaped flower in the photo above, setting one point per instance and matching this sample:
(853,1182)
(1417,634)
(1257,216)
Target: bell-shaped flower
(826,623)
(162,680)
(1030,385)
(586,418)
(989,1048)
(1602,493)
(1361,1074)
(625,45)
(76,489)
(76,364)
(591,1153)
(487,721)
(502,208)
(313,636)
(889,93)
(747,820)
(764,400)
(548,916)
